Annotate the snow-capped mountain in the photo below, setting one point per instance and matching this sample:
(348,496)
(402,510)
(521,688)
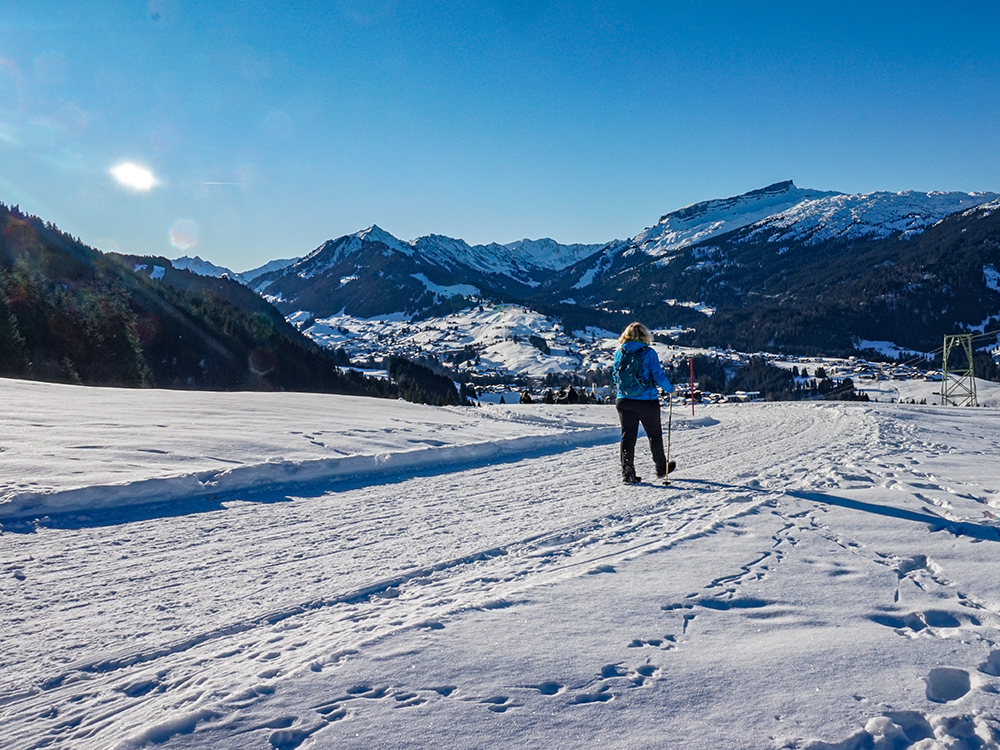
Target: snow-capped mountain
(690,225)
(905,267)
(201,267)
(525,260)
(702,221)
(803,215)
(879,215)
(520,260)
(818,258)
(984,209)
(247,277)
(547,253)
(205,268)
(782,212)
(371,272)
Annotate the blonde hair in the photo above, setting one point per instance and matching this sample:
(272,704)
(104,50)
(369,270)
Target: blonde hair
(636,332)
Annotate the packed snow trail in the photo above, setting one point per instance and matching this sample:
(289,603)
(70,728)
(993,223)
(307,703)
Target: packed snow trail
(71,448)
(211,629)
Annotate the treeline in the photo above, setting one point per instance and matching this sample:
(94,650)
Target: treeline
(421,384)
(772,382)
(71,314)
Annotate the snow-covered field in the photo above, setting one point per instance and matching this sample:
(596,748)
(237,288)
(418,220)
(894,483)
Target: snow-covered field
(190,570)
(500,335)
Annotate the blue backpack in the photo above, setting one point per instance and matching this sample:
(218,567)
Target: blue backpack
(629,372)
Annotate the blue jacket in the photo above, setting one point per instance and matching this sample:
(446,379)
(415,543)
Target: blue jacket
(652,372)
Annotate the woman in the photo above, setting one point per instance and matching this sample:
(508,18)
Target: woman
(637,372)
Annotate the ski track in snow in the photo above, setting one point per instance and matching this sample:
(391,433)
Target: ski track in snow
(302,584)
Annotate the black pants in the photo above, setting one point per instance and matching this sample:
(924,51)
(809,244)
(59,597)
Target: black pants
(630,413)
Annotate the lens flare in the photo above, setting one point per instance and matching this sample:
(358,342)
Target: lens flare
(262,361)
(134,176)
(163,11)
(184,234)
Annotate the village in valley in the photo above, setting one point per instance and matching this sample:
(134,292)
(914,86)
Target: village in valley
(501,351)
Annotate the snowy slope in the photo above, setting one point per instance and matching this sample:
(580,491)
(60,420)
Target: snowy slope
(876,215)
(453,254)
(805,214)
(512,259)
(200,267)
(213,442)
(816,576)
(702,221)
(547,253)
(501,336)
(516,260)
(985,209)
(782,213)
(204,268)
(332,252)
(275,265)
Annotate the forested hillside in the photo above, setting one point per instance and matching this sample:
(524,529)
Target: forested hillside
(821,298)
(69,313)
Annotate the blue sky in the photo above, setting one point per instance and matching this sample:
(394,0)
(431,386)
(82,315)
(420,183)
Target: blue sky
(244,131)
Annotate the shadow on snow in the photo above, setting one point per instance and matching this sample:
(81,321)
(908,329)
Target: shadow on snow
(984,532)
(265,494)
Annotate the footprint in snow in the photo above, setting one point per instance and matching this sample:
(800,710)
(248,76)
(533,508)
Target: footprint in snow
(553,688)
(643,673)
(912,728)
(366,691)
(498,703)
(406,700)
(601,695)
(611,670)
(928,622)
(332,711)
(667,642)
(914,564)
(289,739)
(725,605)
(992,664)
(947,684)
(601,569)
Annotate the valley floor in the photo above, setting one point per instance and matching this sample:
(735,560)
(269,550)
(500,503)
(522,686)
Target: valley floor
(378,574)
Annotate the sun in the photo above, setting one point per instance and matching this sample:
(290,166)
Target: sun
(134,176)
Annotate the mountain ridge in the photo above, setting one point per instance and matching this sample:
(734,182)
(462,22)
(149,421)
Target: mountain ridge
(729,259)
(203,267)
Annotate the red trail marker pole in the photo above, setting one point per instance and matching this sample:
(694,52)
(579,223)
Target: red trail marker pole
(691,360)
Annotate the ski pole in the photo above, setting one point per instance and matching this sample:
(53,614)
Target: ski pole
(670,419)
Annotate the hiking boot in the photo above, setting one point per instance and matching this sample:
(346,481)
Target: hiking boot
(629,477)
(670,468)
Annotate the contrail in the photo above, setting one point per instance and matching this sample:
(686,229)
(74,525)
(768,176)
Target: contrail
(224,183)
